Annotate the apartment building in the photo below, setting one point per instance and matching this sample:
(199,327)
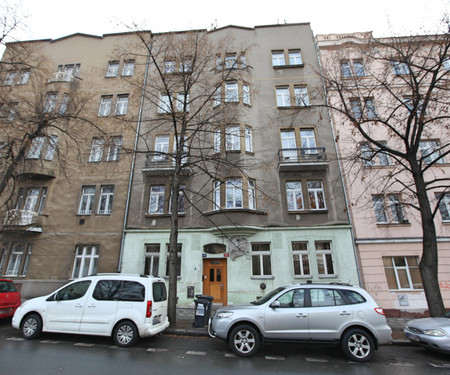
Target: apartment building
(377,93)
(70,111)
(261,200)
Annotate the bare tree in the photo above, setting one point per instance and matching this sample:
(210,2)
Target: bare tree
(393,95)
(186,95)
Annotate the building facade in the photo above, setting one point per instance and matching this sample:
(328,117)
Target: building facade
(375,83)
(272,211)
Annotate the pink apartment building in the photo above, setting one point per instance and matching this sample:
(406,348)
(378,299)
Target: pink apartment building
(387,228)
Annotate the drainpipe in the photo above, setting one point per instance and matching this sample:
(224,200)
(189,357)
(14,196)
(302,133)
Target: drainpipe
(133,162)
(339,164)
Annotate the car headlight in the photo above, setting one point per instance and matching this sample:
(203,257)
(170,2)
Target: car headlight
(225,314)
(435,332)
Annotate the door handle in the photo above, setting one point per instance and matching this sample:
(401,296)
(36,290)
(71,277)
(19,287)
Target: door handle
(300,315)
(79,305)
(221,286)
(345,313)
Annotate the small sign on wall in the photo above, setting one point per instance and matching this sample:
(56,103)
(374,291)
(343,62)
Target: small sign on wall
(403,299)
(190,291)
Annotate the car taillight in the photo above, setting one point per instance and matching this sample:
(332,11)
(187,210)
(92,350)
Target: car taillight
(379,310)
(149,309)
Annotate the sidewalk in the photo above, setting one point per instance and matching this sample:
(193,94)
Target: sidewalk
(185,318)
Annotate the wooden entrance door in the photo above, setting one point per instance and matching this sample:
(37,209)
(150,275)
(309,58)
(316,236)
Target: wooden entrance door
(215,279)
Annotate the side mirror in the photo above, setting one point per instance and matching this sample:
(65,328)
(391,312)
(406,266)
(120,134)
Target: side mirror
(275,304)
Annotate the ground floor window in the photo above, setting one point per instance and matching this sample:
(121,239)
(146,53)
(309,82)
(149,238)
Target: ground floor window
(301,258)
(151,266)
(402,272)
(16,258)
(324,256)
(86,260)
(261,263)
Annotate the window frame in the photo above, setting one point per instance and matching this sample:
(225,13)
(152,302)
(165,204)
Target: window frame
(409,269)
(325,259)
(156,199)
(298,257)
(106,198)
(87,199)
(234,190)
(152,259)
(104,109)
(261,258)
(83,257)
(293,195)
(113,69)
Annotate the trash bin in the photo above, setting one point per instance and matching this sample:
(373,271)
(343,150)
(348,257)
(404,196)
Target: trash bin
(202,310)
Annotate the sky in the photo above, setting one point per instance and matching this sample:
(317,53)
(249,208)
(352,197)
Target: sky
(53,19)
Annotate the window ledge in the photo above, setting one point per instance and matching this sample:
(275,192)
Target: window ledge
(406,290)
(303,277)
(181,214)
(298,212)
(288,66)
(404,224)
(328,276)
(293,107)
(268,277)
(228,210)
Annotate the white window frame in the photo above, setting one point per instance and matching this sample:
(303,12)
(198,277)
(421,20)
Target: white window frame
(128,68)
(380,209)
(248,139)
(234,194)
(51,147)
(301,256)
(231,61)
(180,100)
(161,147)
(86,261)
(325,258)
(407,272)
(115,147)
(122,105)
(24,77)
(36,147)
(86,200)
(217,96)
(398,214)
(301,96)
(217,141)
(156,200)
(50,103)
(246,94)
(152,257)
(216,195)
(294,191)
(444,206)
(283,96)
(96,150)
(9,79)
(251,194)
(260,256)
(169,66)
(232,138)
(278,58)
(316,195)
(295,57)
(106,200)
(14,261)
(231,92)
(164,104)
(113,69)
(105,106)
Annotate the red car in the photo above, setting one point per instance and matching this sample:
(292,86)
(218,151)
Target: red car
(9,298)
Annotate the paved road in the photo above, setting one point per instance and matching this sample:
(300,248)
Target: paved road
(173,355)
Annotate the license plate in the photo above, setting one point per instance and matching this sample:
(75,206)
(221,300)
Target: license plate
(156,320)
(5,311)
(413,337)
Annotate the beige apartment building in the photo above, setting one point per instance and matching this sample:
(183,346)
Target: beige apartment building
(71,107)
(377,94)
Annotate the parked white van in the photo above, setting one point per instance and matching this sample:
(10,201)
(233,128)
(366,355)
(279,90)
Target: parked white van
(123,306)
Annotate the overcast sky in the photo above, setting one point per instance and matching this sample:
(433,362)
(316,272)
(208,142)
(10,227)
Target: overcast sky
(52,19)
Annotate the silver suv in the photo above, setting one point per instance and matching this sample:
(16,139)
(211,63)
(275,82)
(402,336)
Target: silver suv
(314,313)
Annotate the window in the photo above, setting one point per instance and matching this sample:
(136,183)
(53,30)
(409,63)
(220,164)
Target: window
(446,63)
(39,143)
(113,69)
(294,196)
(128,68)
(161,147)
(69,71)
(402,272)
(169,66)
(87,200)
(261,264)
(355,106)
(182,102)
(73,291)
(230,61)
(186,66)
(444,206)
(217,97)
(301,96)
(156,203)
(179,247)
(308,141)
(51,148)
(64,104)
(231,92)
(359,69)
(380,210)
(216,195)
(278,58)
(217,140)
(86,259)
(324,256)
(346,69)
(283,97)
(164,104)
(36,148)
(316,195)
(8,111)
(151,266)
(15,260)
(246,94)
(96,150)
(295,57)
(180,200)
(373,156)
(431,153)
(400,68)
(105,106)
(232,138)
(396,209)
(122,105)
(234,197)
(115,146)
(10,77)
(300,258)
(251,195)
(325,297)
(50,103)
(106,200)
(294,298)
(370,110)
(24,77)
(248,139)
(289,145)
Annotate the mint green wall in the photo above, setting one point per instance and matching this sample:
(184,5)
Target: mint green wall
(242,286)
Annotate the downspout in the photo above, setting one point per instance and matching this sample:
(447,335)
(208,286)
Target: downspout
(133,162)
(355,253)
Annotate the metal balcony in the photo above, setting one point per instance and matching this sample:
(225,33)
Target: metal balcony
(24,221)
(292,159)
(162,164)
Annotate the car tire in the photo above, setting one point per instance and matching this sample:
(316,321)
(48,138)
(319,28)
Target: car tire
(125,334)
(358,345)
(244,340)
(31,326)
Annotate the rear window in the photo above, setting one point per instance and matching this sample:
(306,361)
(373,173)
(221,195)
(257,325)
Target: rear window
(132,291)
(352,296)
(159,292)
(7,287)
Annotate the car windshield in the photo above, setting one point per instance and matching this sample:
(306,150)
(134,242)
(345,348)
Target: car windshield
(7,287)
(268,296)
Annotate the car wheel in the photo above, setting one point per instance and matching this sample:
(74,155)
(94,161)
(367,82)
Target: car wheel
(31,326)
(244,341)
(358,345)
(125,334)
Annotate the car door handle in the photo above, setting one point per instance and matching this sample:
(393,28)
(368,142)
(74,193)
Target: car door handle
(79,305)
(301,315)
(345,313)
(92,305)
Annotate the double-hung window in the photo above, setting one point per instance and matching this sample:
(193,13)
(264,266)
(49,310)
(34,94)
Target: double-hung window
(294,196)
(232,138)
(128,68)
(234,196)
(15,260)
(380,209)
(113,69)
(231,92)
(115,146)
(295,57)
(122,105)
(402,272)
(316,195)
(301,258)
(261,262)
(324,257)
(96,150)
(87,200)
(156,203)
(151,266)
(164,104)
(301,96)
(161,147)
(105,105)
(86,260)
(283,97)
(106,200)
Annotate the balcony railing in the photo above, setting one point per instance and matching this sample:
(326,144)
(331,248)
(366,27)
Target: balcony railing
(61,77)
(158,163)
(23,220)
(294,158)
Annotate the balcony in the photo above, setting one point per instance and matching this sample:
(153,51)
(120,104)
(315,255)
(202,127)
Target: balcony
(38,169)
(157,164)
(294,159)
(58,78)
(24,221)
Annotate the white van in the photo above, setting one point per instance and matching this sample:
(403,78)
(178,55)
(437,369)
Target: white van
(125,307)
